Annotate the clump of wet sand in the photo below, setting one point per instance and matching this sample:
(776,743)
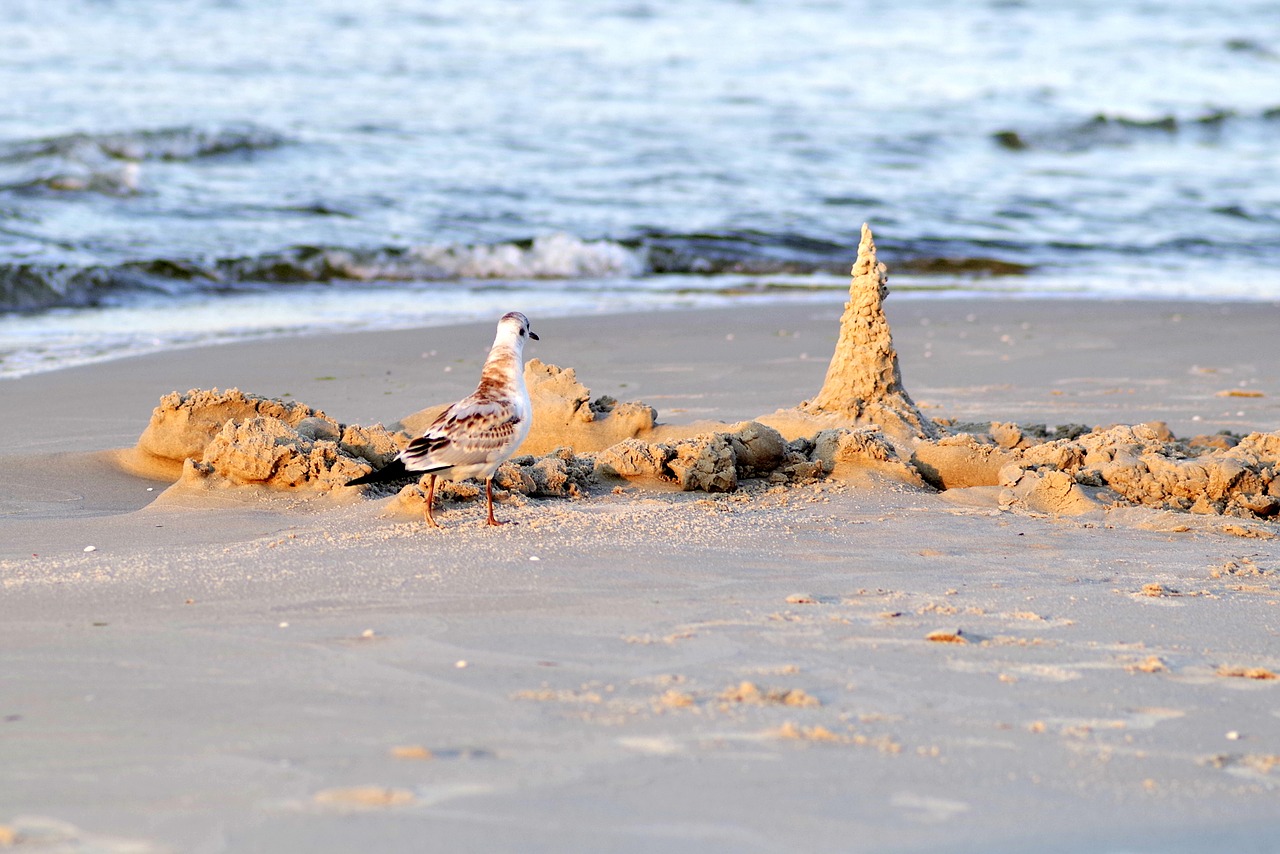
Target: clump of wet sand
(212,437)
(1139,465)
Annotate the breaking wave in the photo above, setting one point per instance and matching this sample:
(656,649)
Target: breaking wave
(30,287)
(25,287)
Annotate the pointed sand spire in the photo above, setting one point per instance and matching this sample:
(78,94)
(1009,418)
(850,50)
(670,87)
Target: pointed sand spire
(863,386)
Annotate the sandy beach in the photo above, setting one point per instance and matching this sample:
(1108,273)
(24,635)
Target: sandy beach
(828,665)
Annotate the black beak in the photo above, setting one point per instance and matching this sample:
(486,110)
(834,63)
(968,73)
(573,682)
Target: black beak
(534,335)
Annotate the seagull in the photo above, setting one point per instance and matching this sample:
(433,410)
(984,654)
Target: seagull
(478,433)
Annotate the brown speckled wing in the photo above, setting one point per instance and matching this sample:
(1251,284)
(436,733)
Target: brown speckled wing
(471,431)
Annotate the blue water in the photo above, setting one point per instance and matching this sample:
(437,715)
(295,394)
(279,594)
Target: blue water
(175,173)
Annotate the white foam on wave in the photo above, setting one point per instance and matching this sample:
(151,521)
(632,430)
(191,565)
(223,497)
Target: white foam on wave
(551,256)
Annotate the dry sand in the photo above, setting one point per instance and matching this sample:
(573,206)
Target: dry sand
(820,666)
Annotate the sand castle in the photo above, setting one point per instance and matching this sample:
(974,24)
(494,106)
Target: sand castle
(862,425)
(863,386)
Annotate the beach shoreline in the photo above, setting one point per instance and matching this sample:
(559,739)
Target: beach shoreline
(818,665)
(1014,346)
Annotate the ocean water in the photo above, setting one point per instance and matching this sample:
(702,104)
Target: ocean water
(179,172)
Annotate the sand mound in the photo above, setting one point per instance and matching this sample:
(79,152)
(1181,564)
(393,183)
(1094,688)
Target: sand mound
(208,436)
(1141,465)
(565,416)
(183,424)
(961,461)
(757,449)
(269,452)
(1146,465)
(852,453)
(714,462)
(863,386)
(1045,491)
(560,474)
(706,463)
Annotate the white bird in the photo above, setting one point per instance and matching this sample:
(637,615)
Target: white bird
(478,433)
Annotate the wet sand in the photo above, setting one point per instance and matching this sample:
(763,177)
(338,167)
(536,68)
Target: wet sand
(644,668)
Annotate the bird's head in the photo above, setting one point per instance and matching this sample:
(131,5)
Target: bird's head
(519,324)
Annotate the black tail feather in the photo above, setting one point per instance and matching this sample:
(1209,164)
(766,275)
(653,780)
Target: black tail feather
(393,470)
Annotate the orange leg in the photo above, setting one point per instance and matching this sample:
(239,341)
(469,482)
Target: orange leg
(431,499)
(488,494)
